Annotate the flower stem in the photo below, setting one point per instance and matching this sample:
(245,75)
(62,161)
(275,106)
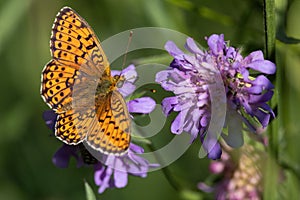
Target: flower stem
(272,170)
(270,29)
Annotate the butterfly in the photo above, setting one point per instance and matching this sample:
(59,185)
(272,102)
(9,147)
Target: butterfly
(77,84)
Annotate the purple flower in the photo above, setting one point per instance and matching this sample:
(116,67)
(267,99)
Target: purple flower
(189,77)
(63,155)
(114,172)
(241,177)
(245,92)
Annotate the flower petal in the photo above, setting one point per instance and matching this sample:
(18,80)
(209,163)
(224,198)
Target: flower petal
(192,47)
(211,146)
(105,180)
(142,105)
(262,117)
(127,89)
(264,82)
(135,148)
(264,66)
(255,99)
(216,43)
(50,117)
(168,104)
(130,73)
(255,60)
(162,76)
(120,178)
(99,170)
(173,50)
(178,123)
(63,155)
(216,152)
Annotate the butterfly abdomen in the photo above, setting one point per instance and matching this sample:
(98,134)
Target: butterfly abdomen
(87,156)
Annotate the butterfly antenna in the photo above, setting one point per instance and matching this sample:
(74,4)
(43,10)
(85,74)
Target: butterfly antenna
(128,44)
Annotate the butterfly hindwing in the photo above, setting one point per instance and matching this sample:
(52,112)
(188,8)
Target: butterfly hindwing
(122,118)
(111,134)
(72,127)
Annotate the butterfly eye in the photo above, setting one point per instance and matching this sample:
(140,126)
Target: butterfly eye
(119,81)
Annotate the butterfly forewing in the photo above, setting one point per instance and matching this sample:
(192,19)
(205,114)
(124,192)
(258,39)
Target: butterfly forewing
(74,46)
(57,81)
(74,42)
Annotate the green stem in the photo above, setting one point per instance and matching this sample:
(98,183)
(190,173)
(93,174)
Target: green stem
(270,34)
(270,28)
(272,171)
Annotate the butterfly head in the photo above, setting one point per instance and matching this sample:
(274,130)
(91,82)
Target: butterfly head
(119,80)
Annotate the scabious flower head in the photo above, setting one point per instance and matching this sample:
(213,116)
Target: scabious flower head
(244,92)
(241,172)
(190,75)
(114,172)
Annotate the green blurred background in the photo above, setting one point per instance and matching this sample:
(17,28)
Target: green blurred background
(26,144)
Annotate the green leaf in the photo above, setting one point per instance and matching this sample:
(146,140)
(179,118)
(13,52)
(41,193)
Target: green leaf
(281,36)
(282,8)
(89,192)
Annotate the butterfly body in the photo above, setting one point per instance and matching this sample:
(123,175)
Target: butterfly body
(77,84)
(106,86)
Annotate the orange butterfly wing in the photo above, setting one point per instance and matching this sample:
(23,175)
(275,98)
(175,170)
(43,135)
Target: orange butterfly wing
(76,54)
(111,134)
(69,86)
